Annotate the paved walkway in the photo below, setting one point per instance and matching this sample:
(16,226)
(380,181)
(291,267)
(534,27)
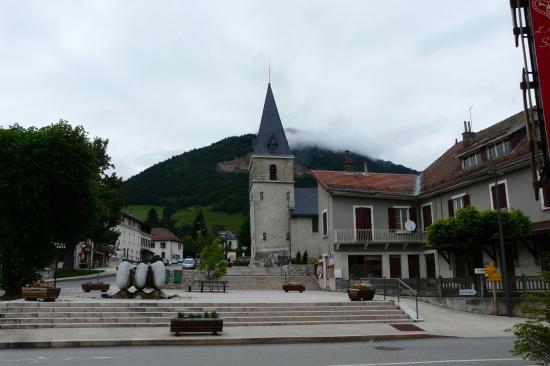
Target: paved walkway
(437,322)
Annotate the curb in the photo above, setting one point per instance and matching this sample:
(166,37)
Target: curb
(211,341)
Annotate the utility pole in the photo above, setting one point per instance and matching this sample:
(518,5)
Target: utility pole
(504,271)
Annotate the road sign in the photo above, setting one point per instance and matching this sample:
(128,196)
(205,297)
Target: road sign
(467,292)
(59,245)
(495,277)
(479,270)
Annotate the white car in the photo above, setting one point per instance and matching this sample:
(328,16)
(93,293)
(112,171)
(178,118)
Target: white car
(189,263)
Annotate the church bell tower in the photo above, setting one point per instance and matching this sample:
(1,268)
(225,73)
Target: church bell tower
(271,188)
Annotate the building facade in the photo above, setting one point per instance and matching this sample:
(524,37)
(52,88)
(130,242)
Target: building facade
(134,235)
(165,245)
(373,224)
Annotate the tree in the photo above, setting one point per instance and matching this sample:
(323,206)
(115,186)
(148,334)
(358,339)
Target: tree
(243,246)
(298,259)
(152,217)
(212,265)
(167,220)
(472,228)
(533,336)
(305,257)
(54,188)
(199,225)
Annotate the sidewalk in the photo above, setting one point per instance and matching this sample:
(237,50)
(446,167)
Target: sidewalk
(438,322)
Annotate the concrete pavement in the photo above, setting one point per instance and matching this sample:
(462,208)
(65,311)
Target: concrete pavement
(438,322)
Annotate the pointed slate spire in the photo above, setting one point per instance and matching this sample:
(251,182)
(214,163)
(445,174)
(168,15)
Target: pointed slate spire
(271,138)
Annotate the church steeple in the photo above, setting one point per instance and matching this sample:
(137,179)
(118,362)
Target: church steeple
(271,139)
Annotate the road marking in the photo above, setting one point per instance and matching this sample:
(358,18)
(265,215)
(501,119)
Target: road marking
(34,360)
(433,362)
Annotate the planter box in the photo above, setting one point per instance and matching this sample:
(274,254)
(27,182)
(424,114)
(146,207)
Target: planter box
(294,287)
(35,293)
(361,294)
(196,325)
(100,286)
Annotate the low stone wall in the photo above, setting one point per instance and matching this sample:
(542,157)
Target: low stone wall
(476,305)
(299,269)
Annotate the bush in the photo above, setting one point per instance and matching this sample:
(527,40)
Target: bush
(305,257)
(298,259)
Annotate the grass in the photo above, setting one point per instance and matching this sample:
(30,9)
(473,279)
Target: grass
(61,273)
(187,215)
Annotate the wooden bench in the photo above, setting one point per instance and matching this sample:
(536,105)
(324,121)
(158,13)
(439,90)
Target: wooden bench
(211,283)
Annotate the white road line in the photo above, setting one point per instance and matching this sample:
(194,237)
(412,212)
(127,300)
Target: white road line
(432,362)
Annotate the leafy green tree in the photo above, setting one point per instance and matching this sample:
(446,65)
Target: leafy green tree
(471,228)
(243,237)
(533,336)
(54,188)
(198,228)
(167,220)
(152,217)
(212,265)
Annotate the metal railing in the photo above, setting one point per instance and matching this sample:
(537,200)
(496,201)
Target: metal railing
(391,286)
(364,236)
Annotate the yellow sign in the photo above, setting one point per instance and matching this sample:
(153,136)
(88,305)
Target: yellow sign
(491,273)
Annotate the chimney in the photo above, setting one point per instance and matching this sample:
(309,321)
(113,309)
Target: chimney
(467,135)
(349,165)
(366,167)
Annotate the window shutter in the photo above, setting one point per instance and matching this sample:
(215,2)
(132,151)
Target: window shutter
(412,215)
(360,218)
(426,216)
(546,196)
(391,218)
(325,224)
(466,199)
(502,195)
(451,208)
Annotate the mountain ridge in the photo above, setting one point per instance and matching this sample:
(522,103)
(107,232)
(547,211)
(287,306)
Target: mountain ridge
(216,175)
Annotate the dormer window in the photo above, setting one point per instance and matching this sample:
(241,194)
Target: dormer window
(499,149)
(272,145)
(471,160)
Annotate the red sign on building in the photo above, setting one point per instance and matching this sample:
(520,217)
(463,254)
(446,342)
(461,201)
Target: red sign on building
(540,21)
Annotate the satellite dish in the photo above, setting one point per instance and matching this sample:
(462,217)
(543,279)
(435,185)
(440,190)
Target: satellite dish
(410,225)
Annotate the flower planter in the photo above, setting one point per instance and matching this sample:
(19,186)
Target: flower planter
(294,287)
(196,325)
(35,293)
(100,286)
(361,294)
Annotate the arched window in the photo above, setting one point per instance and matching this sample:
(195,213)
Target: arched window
(272,172)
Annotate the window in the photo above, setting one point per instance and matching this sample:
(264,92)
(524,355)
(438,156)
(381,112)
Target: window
(162,245)
(315,224)
(499,149)
(179,246)
(501,194)
(401,216)
(457,202)
(325,223)
(471,161)
(272,172)
(153,244)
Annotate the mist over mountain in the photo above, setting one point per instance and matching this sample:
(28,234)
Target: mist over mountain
(217,175)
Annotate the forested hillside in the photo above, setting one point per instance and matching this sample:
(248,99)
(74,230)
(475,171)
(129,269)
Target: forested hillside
(194,178)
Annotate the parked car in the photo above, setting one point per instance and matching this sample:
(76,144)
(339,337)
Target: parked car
(189,263)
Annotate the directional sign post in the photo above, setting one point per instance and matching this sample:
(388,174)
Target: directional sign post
(58,246)
(493,276)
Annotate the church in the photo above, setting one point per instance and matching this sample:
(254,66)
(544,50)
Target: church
(283,219)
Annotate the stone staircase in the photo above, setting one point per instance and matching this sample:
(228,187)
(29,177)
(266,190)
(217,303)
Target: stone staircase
(250,278)
(32,315)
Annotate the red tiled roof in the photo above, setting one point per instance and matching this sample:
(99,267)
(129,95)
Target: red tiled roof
(162,233)
(447,169)
(401,184)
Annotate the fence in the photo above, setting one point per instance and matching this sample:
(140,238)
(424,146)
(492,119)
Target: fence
(377,236)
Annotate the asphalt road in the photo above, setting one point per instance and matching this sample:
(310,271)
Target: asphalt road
(441,351)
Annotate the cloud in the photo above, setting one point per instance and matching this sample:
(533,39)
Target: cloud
(393,80)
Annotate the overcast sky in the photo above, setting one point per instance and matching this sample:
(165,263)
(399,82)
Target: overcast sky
(392,79)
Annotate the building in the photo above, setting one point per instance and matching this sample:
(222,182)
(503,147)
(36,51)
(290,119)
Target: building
(373,224)
(230,243)
(273,210)
(134,235)
(164,244)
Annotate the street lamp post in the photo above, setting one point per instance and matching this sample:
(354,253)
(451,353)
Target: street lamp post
(494,171)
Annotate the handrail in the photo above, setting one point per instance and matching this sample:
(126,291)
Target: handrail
(377,236)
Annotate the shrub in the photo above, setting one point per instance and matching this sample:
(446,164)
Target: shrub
(305,257)
(298,259)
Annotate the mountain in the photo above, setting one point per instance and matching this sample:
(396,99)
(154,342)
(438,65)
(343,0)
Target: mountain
(217,175)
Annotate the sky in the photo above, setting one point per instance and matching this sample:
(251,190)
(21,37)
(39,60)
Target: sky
(391,79)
